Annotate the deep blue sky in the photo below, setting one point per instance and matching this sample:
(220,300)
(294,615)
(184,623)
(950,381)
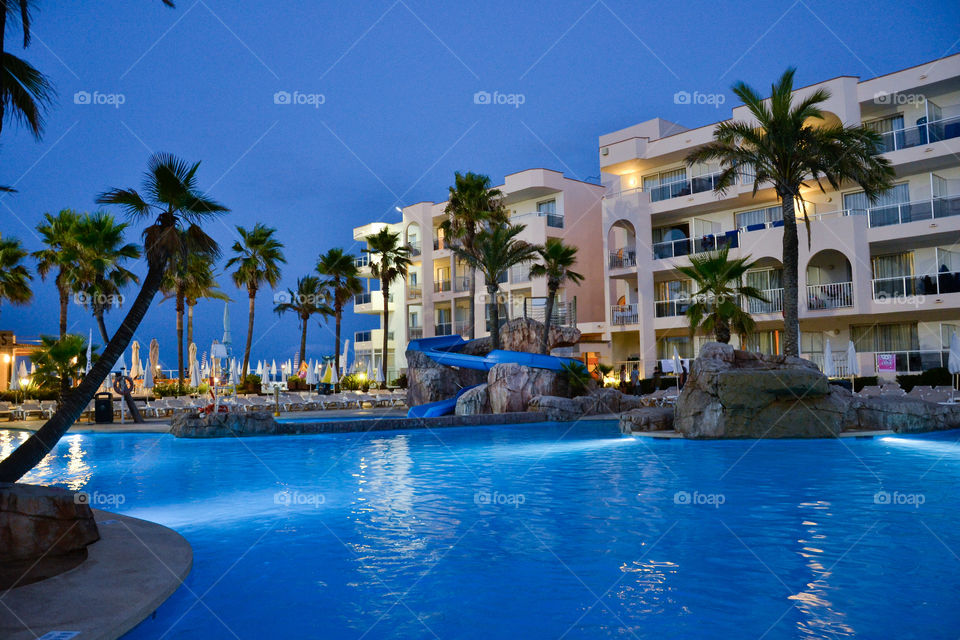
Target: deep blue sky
(399,118)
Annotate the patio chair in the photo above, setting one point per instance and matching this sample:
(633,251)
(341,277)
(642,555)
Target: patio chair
(29,408)
(870,391)
(49,407)
(893,389)
(6,409)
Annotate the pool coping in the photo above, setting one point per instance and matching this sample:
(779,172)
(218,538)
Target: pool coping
(134,567)
(675,435)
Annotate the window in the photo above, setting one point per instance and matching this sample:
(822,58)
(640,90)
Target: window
(548,208)
(666,344)
(885,210)
(667,184)
(894,265)
(669,242)
(765,279)
(672,298)
(767,342)
(890,130)
(946,330)
(811,342)
(765,216)
(886,337)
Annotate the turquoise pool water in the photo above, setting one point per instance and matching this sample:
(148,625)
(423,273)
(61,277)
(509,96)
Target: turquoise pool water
(541,531)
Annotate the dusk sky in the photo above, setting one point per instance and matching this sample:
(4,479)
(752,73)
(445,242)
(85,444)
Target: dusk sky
(396,80)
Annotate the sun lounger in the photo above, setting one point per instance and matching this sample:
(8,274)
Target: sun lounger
(6,410)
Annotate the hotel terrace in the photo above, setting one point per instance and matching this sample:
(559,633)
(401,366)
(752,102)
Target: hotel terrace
(884,274)
(434,298)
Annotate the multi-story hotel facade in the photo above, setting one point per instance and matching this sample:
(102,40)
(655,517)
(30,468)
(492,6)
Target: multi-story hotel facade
(884,274)
(434,299)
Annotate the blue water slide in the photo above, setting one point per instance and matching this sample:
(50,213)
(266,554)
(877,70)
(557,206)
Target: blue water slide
(445,350)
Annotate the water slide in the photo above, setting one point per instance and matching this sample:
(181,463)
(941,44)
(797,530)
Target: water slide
(445,350)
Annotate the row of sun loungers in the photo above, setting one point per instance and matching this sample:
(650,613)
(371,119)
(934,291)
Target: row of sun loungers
(930,394)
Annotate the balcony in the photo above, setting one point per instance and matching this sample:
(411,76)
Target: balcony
(685,187)
(932,284)
(671,308)
(623,258)
(902,213)
(836,295)
(775,304)
(462,283)
(414,248)
(936,131)
(840,365)
(414,293)
(443,329)
(916,361)
(442,286)
(554,220)
(623,314)
(439,244)
(414,333)
(362,261)
(703,244)
(461,327)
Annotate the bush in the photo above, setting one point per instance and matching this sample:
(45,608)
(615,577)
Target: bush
(296,383)
(31,393)
(400,382)
(354,382)
(251,384)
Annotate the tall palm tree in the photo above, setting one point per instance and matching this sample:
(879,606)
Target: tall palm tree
(59,361)
(494,251)
(62,252)
(789,147)
(201,284)
(389,260)
(343,277)
(716,306)
(557,261)
(102,253)
(311,298)
(258,258)
(174,200)
(14,275)
(473,203)
(177,280)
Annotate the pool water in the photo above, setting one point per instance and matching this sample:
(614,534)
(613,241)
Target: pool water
(540,531)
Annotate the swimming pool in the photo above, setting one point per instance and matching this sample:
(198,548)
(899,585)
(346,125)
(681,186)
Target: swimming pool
(540,531)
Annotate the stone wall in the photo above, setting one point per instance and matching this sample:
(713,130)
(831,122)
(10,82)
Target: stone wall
(510,387)
(192,425)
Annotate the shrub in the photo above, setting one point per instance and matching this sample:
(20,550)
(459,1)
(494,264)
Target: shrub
(579,379)
(400,382)
(296,383)
(251,383)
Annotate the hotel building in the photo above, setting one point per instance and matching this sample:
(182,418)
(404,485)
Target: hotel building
(884,274)
(434,298)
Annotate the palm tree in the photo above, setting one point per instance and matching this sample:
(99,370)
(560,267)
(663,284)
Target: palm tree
(102,253)
(389,260)
(14,276)
(59,361)
(258,260)
(201,284)
(178,278)
(789,147)
(60,235)
(716,302)
(342,274)
(473,203)
(174,201)
(558,259)
(494,251)
(311,298)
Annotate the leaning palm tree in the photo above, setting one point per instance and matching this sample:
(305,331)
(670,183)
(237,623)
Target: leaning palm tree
(14,275)
(494,251)
(178,278)
(62,252)
(473,203)
(557,261)
(342,274)
(788,147)
(258,258)
(311,297)
(59,362)
(174,200)
(102,253)
(389,260)
(716,302)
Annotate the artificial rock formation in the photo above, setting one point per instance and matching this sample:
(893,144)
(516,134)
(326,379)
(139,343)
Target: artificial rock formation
(597,402)
(647,419)
(739,394)
(510,387)
(43,531)
(192,425)
(474,401)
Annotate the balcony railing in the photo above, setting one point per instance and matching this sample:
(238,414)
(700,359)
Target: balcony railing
(622,258)
(928,133)
(362,261)
(890,214)
(670,308)
(414,333)
(414,293)
(841,367)
(703,244)
(414,248)
(440,243)
(916,361)
(462,283)
(461,327)
(554,220)
(916,285)
(775,304)
(684,187)
(835,295)
(443,329)
(440,286)
(564,313)
(621,314)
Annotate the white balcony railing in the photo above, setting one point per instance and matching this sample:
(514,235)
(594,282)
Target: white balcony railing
(927,133)
(901,213)
(621,314)
(623,258)
(414,333)
(670,308)
(775,304)
(835,295)
(840,366)
(916,285)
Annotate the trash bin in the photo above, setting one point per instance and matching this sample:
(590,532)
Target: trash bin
(103,408)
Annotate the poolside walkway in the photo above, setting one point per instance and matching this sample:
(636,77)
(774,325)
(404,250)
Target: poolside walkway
(134,567)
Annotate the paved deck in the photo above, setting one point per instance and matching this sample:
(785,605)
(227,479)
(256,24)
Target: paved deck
(134,567)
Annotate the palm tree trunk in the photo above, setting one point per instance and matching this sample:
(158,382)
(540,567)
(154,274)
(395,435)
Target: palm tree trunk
(250,312)
(189,323)
(545,337)
(494,317)
(64,303)
(338,313)
(33,450)
(3,29)
(791,293)
(472,321)
(385,288)
(180,373)
(98,315)
(721,332)
(303,339)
